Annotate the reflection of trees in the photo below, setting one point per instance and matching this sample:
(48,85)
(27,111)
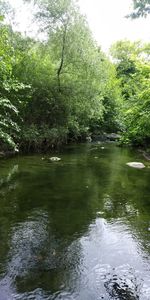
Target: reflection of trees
(64,191)
(7,184)
(127,196)
(50,266)
(52,205)
(7,179)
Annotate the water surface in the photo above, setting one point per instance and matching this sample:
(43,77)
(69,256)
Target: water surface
(78,229)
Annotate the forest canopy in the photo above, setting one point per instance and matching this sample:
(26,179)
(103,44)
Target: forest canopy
(65,87)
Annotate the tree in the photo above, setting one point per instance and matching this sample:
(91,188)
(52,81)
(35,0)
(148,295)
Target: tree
(133,69)
(10,88)
(141,8)
(73,85)
(79,73)
(7,109)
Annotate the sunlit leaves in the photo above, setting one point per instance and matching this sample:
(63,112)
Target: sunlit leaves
(133,70)
(64,86)
(9,89)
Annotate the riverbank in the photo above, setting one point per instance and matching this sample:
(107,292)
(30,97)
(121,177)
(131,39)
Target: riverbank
(46,146)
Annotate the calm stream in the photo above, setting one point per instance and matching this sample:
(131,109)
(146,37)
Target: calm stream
(78,229)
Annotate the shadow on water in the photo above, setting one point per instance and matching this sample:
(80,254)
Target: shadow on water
(76,229)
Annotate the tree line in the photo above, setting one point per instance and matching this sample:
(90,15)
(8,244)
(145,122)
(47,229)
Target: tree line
(63,87)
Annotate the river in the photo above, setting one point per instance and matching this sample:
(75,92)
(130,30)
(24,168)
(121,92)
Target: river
(77,229)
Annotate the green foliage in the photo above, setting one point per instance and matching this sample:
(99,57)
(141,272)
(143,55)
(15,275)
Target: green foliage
(62,88)
(44,138)
(9,88)
(7,126)
(141,8)
(65,87)
(133,71)
(70,76)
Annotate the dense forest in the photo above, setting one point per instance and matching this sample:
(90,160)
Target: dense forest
(62,87)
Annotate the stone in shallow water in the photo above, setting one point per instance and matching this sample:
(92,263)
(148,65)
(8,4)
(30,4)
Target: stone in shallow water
(54,158)
(137,165)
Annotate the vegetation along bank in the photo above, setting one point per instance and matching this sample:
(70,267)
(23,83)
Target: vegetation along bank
(62,87)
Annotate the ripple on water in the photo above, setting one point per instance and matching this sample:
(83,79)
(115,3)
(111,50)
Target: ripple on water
(113,264)
(53,247)
(121,283)
(39,294)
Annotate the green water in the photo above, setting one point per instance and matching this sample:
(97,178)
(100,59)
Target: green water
(78,229)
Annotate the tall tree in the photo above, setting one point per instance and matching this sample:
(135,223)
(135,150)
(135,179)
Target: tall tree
(73,84)
(133,70)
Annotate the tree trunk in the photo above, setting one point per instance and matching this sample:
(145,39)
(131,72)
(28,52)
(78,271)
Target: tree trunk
(62,58)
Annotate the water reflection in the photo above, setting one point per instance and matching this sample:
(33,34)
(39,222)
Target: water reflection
(116,267)
(77,229)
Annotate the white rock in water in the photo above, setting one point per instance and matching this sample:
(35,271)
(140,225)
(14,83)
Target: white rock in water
(54,158)
(137,165)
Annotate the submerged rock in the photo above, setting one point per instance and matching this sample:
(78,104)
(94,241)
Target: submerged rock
(136,165)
